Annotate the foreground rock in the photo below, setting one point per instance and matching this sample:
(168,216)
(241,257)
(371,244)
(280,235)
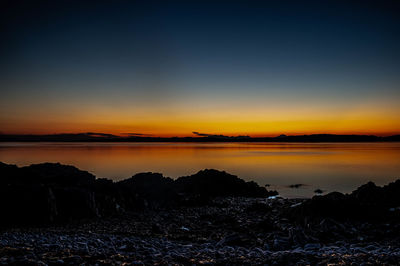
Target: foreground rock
(228,231)
(48,193)
(70,217)
(213,183)
(368,202)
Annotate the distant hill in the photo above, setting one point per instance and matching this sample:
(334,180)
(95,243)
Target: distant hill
(102,137)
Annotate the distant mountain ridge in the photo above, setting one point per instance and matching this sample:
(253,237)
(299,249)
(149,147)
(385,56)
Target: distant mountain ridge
(103,137)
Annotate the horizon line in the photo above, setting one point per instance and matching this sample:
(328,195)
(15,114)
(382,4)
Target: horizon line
(194,135)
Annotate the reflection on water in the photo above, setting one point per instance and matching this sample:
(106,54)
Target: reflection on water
(328,166)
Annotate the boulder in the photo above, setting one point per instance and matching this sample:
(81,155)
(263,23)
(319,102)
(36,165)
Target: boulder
(214,183)
(46,193)
(27,205)
(145,190)
(368,202)
(58,174)
(74,203)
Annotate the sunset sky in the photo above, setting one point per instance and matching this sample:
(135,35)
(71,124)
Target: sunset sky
(219,67)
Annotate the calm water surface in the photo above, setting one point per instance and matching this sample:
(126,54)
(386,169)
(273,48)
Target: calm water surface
(328,166)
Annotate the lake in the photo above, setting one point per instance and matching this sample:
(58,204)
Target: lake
(327,166)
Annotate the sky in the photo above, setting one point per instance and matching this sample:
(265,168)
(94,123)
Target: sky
(257,68)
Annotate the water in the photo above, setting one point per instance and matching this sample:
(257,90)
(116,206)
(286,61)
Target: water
(327,166)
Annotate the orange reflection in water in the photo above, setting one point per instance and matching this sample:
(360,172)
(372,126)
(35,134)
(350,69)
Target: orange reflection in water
(329,166)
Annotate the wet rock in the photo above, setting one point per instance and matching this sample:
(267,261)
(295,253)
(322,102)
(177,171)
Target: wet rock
(312,246)
(297,236)
(185,229)
(281,243)
(232,240)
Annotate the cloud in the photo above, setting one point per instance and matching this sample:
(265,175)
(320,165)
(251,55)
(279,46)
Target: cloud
(201,134)
(95,134)
(210,135)
(219,136)
(134,134)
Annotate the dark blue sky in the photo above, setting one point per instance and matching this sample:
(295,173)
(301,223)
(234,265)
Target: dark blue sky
(147,58)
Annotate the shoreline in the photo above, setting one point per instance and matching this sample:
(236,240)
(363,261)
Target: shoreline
(238,231)
(102,137)
(62,215)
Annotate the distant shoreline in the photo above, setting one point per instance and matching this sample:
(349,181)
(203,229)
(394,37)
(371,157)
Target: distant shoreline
(101,137)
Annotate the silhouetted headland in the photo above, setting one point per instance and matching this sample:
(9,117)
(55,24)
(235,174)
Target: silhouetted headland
(65,215)
(102,137)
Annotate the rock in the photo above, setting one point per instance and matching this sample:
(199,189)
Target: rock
(296,185)
(334,204)
(75,203)
(232,240)
(27,204)
(297,236)
(75,259)
(156,228)
(47,193)
(151,189)
(185,229)
(368,202)
(266,225)
(281,243)
(318,191)
(213,183)
(370,194)
(295,205)
(55,173)
(258,207)
(312,246)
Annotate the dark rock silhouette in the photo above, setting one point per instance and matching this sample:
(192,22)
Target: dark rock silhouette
(318,191)
(366,202)
(370,194)
(54,193)
(58,174)
(51,192)
(296,185)
(27,204)
(214,183)
(147,190)
(45,193)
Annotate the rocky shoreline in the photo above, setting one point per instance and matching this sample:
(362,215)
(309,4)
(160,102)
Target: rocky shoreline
(207,218)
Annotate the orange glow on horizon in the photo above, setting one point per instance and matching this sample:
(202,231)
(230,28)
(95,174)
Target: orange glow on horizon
(228,129)
(255,121)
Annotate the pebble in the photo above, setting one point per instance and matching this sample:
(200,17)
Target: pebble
(226,239)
